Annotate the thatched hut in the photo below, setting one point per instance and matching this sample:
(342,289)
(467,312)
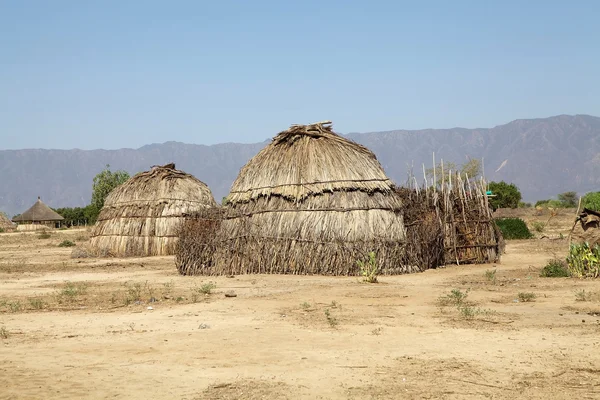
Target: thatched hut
(311,202)
(39,216)
(5,224)
(586,228)
(142,217)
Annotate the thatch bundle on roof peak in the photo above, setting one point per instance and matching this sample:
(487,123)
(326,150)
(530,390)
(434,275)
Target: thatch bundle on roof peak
(310,202)
(142,216)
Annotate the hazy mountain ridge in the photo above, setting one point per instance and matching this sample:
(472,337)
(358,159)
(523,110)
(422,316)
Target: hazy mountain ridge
(542,156)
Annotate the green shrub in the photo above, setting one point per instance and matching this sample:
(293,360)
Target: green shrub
(555,269)
(513,228)
(1,230)
(538,226)
(584,260)
(369,269)
(591,201)
(66,243)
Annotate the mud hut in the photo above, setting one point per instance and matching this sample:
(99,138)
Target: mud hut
(586,228)
(5,224)
(39,216)
(142,217)
(310,202)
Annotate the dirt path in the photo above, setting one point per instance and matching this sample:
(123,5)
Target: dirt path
(288,337)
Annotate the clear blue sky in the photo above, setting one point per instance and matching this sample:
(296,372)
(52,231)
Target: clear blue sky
(112,74)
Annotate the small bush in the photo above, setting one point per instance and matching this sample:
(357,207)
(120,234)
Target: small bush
(66,243)
(591,201)
(331,320)
(369,269)
(538,226)
(513,228)
(491,276)
(36,303)
(582,295)
(526,297)
(44,235)
(207,288)
(2,230)
(455,297)
(584,260)
(555,269)
(4,334)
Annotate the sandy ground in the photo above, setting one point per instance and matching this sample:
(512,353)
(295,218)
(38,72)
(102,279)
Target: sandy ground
(82,329)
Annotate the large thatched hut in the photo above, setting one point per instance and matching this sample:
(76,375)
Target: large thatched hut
(38,216)
(310,202)
(142,217)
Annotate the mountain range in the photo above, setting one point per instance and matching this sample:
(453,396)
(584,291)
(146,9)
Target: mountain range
(543,157)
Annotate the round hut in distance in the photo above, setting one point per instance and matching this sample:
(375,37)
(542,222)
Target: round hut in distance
(142,216)
(311,202)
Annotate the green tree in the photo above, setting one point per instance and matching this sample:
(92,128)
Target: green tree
(591,201)
(506,195)
(104,183)
(568,199)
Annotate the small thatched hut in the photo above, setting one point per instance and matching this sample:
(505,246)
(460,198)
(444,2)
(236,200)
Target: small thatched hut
(38,216)
(5,224)
(142,217)
(311,202)
(586,227)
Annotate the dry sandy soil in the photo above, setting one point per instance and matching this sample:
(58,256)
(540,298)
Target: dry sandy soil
(135,329)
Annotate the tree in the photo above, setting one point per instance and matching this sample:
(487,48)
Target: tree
(591,201)
(104,183)
(506,195)
(471,169)
(568,199)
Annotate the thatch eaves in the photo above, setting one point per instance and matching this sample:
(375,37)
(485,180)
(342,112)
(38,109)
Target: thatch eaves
(5,223)
(39,212)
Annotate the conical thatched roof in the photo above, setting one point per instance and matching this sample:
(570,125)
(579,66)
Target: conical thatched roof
(310,202)
(39,212)
(143,215)
(5,223)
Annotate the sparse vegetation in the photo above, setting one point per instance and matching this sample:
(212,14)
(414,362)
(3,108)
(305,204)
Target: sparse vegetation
(36,303)
(305,305)
(14,306)
(44,235)
(369,269)
(538,226)
(4,334)
(555,268)
(491,276)
(66,243)
(207,288)
(331,320)
(513,228)
(526,297)
(456,297)
(582,295)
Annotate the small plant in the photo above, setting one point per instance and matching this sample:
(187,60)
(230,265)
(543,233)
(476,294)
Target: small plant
(491,276)
(168,287)
(538,226)
(194,296)
(135,291)
(335,304)
(305,305)
(555,268)
(331,320)
(207,288)
(4,334)
(526,297)
(456,298)
(513,228)
(584,260)
(66,243)
(369,269)
(132,326)
(44,235)
(36,303)
(582,295)
(468,312)
(15,306)
(72,290)
(179,299)
(2,230)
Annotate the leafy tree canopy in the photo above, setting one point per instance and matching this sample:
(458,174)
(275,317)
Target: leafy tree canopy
(506,195)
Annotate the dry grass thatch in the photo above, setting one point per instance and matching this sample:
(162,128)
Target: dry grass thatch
(311,202)
(39,212)
(5,224)
(142,216)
